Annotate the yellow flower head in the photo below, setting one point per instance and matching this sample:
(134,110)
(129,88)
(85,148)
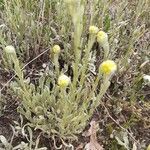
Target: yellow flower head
(102,37)
(10,49)
(56,49)
(93,29)
(63,80)
(107,67)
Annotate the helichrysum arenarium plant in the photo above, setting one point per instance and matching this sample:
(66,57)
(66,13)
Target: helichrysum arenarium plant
(60,104)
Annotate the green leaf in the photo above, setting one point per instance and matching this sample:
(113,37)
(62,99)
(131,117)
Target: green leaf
(106,23)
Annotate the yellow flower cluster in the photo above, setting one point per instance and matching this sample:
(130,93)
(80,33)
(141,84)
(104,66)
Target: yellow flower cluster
(56,49)
(102,38)
(93,29)
(108,67)
(63,80)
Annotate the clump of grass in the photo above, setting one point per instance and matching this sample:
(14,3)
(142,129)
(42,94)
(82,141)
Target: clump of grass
(29,25)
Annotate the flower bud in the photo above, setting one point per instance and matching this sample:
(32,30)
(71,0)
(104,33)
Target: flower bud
(56,49)
(93,29)
(102,38)
(108,67)
(10,49)
(63,80)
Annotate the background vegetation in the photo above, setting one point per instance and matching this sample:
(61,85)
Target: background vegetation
(34,27)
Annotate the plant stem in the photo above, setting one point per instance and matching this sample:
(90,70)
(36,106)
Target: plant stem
(104,86)
(86,59)
(56,64)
